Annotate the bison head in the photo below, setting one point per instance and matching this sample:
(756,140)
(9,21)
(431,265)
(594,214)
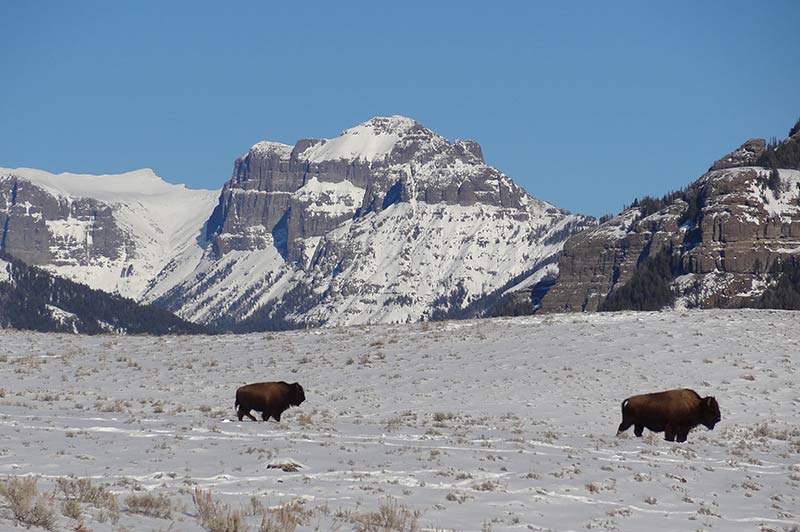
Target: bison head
(296,394)
(709,412)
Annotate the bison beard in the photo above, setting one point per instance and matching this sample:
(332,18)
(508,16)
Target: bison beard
(675,412)
(269,398)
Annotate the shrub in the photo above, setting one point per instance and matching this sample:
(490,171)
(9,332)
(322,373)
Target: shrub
(81,490)
(150,504)
(28,506)
(390,515)
(215,516)
(285,518)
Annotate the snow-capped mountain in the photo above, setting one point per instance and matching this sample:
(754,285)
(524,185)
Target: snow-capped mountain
(389,222)
(111,232)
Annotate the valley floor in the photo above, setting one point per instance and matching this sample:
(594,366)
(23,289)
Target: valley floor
(502,424)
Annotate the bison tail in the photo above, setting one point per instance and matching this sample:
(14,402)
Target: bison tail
(624,404)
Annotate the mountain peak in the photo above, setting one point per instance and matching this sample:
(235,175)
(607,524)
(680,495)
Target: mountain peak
(368,141)
(745,155)
(267,147)
(384,125)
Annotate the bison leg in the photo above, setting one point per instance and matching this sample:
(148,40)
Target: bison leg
(669,433)
(625,425)
(265,415)
(682,434)
(638,430)
(242,412)
(277,416)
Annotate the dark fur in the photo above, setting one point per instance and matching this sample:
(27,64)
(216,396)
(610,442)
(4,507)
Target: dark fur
(269,398)
(675,412)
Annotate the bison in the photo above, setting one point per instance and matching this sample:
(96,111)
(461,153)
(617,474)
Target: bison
(675,412)
(269,398)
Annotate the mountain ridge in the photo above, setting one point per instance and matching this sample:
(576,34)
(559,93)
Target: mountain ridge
(725,236)
(389,221)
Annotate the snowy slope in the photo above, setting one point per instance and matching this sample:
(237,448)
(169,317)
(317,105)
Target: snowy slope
(368,141)
(160,219)
(501,424)
(390,267)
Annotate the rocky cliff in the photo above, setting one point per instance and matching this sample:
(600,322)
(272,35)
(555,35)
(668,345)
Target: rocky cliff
(724,233)
(111,232)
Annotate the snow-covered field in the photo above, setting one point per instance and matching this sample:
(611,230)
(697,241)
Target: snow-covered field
(503,424)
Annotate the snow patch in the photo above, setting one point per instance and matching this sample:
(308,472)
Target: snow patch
(330,198)
(5,271)
(267,147)
(369,141)
(63,317)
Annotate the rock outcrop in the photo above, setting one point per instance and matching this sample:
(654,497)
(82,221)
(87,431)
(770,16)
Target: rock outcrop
(726,231)
(42,228)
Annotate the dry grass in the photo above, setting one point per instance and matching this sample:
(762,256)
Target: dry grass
(30,508)
(215,516)
(71,508)
(390,516)
(285,518)
(81,490)
(150,504)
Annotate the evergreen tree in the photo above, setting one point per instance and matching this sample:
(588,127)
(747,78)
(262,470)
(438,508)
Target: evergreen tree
(795,128)
(649,287)
(27,302)
(785,294)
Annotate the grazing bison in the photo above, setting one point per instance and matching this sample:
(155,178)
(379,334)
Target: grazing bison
(675,412)
(269,398)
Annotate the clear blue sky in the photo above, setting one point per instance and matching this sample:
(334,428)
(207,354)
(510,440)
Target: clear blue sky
(585,104)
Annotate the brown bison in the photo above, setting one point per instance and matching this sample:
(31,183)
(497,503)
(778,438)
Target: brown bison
(269,398)
(675,412)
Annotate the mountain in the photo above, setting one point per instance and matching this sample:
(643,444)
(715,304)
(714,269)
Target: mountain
(31,298)
(111,232)
(389,222)
(724,241)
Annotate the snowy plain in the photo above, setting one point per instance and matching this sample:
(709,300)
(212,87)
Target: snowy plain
(501,424)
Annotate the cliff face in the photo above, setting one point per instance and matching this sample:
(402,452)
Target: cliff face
(726,231)
(42,228)
(293,193)
(111,232)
